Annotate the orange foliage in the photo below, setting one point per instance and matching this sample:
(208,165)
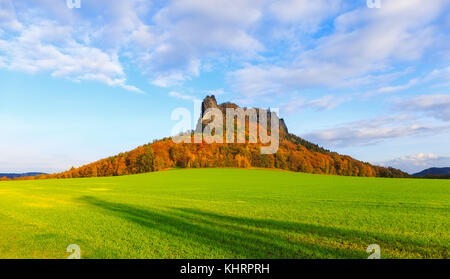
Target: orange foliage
(165,154)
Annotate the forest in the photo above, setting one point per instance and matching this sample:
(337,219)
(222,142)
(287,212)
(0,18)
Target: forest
(164,154)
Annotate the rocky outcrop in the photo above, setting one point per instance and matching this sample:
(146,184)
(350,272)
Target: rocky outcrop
(211,102)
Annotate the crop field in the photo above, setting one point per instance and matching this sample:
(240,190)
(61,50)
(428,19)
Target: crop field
(225,213)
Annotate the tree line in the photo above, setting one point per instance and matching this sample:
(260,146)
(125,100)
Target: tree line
(294,154)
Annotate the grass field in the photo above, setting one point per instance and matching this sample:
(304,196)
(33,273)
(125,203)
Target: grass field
(225,213)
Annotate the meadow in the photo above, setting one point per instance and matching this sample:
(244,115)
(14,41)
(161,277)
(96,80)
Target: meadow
(225,213)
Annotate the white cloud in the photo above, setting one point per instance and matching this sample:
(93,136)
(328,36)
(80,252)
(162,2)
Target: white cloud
(390,89)
(307,14)
(8,19)
(46,46)
(182,96)
(170,43)
(257,81)
(373,131)
(186,31)
(418,162)
(365,41)
(324,103)
(435,105)
(121,23)
(441,77)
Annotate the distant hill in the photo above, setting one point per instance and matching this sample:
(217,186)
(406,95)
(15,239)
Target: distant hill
(434,172)
(14,175)
(294,153)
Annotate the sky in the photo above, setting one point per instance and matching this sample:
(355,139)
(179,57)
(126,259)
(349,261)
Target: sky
(78,84)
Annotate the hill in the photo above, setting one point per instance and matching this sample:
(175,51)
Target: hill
(225,213)
(294,153)
(14,175)
(434,173)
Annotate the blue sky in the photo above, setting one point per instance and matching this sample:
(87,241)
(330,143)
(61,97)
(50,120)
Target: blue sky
(80,84)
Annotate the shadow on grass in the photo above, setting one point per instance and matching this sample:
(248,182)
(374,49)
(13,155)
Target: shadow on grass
(244,237)
(350,236)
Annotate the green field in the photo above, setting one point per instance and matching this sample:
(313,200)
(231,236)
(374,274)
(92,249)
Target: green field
(225,213)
